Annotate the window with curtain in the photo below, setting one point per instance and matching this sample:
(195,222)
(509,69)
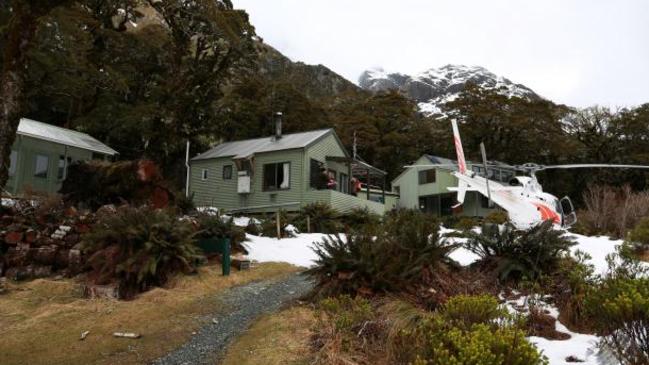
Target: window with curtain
(277,176)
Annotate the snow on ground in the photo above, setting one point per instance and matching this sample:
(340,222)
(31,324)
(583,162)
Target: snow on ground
(598,247)
(295,250)
(582,346)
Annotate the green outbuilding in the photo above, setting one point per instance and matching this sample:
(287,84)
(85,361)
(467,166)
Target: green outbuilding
(286,172)
(42,153)
(424,186)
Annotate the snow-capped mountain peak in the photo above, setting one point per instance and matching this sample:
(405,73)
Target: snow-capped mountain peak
(435,86)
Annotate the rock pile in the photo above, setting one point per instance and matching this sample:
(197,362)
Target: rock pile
(40,241)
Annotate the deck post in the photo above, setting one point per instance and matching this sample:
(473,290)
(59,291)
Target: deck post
(349,178)
(308,223)
(279,229)
(368,183)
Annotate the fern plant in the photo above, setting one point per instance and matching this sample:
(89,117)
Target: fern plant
(519,253)
(392,257)
(138,248)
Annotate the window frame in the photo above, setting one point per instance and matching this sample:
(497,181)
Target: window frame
(229,168)
(204,174)
(38,174)
(264,187)
(426,175)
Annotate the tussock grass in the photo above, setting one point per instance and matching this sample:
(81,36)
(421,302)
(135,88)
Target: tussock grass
(41,321)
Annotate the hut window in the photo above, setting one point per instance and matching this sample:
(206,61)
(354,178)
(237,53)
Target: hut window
(13,161)
(427,176)
(277,176)
(41,163)
(227,172)
(204,174)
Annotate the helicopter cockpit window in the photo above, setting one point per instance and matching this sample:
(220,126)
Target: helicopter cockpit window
(515,182)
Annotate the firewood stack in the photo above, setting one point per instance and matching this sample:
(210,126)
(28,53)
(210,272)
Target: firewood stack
(41,241)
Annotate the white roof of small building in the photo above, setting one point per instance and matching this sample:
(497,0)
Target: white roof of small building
(247,148)
(68,137)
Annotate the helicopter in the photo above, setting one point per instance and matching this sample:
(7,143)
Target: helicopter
(523,198)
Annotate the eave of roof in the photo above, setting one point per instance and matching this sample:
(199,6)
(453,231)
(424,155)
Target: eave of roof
(29,128)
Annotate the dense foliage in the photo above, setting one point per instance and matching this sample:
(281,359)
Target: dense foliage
(215,225)
(396,332)
(139,248)
(619,307)
(517,254)
(394,256)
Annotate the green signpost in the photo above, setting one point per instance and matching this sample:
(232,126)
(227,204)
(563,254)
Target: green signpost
(217,245)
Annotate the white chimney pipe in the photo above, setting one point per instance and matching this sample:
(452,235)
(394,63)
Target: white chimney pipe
(278,125)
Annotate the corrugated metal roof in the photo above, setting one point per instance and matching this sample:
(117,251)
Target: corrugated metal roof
(448,163)
(68,137)
(247,148)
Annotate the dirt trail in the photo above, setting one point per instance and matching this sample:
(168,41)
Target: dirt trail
(239,307)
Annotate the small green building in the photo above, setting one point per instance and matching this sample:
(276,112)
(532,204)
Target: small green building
(284,172)
(42,153)
(426,188)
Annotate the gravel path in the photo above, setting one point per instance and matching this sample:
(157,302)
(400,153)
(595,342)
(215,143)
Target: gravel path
(239,307)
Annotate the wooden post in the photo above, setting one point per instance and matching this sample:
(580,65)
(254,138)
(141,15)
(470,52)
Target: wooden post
(279,226)
(368,184)
(308,224)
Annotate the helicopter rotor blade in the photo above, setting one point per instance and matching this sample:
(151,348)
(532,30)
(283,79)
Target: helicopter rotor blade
(592,165)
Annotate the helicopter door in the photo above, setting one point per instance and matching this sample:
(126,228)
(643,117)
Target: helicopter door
(568,215)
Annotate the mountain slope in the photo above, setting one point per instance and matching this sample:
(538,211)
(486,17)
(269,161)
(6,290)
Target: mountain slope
(436,86)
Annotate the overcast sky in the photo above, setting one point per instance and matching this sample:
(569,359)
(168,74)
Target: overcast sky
(575,52)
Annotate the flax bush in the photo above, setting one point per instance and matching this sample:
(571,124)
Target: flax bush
(138,248)
(386,258)
(517,254)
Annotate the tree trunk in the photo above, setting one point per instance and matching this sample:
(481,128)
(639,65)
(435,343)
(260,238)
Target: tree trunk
(20,32)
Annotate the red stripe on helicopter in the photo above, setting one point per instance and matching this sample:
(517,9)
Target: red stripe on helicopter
(547,213)
(461,162)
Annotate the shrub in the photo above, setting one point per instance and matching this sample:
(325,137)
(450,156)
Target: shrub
(466,223)
(394,257)
(323,218)
(345,312)
(619,307)
(253,227)
(573,280)
(139,248)
(211,225)
(636,244)
(480,345)
(358,218)
(519,253)
(269,224)
(611,211)
(464,311)
(497,217)
(466,330)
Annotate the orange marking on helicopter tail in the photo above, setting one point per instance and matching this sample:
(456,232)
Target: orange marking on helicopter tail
(461,162)
(547,213)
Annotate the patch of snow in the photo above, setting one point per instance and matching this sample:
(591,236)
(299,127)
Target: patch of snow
(582,346)
(598,247)
(296,250)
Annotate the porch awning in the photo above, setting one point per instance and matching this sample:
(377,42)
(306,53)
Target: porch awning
(359,167)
